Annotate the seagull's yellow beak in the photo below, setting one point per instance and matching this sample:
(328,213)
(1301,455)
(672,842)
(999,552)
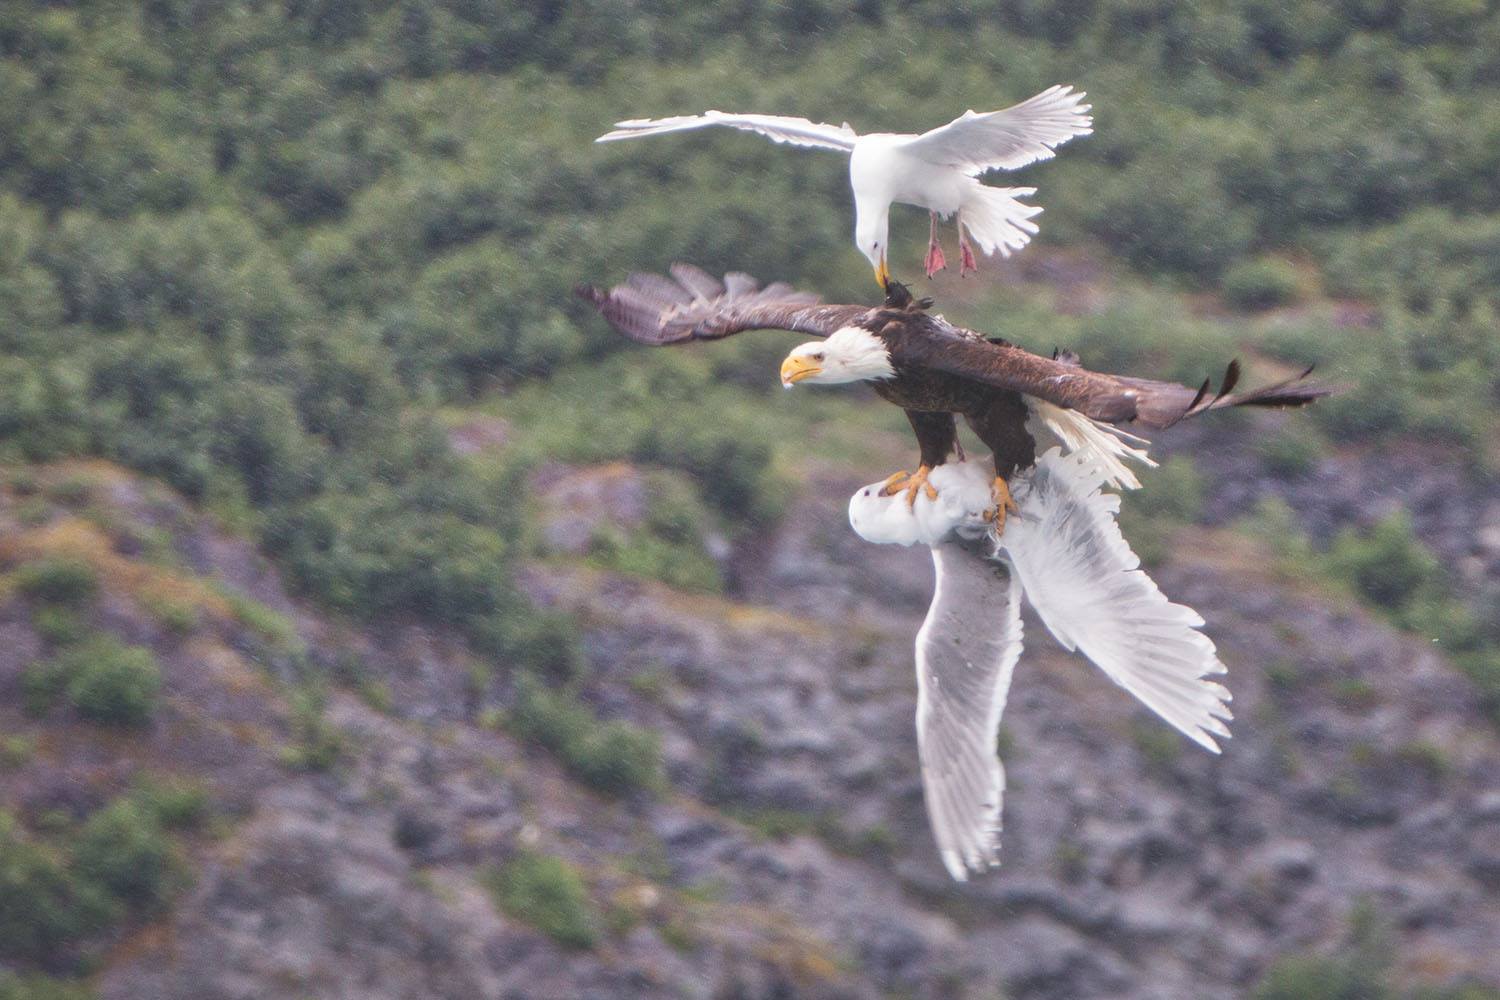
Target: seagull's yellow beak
(883,274)
(796,368)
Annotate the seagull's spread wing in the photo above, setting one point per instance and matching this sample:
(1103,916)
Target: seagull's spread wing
(966,651)
(794,131)
(1025,133)
(1090,592)
(652,309)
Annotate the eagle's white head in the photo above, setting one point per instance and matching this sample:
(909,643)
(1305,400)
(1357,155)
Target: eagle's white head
(850,354)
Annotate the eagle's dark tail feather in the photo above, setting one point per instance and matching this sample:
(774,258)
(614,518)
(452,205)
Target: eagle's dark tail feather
(1294,391)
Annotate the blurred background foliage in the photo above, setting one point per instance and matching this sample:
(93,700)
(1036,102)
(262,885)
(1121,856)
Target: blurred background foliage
(273,252)
(255,249)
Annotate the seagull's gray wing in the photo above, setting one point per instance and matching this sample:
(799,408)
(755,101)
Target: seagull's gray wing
(966,651)
(1087,586)
(1008,139)
(792,131)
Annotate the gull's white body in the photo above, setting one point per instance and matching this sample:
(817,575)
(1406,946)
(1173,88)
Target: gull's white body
(1064,552)
(936,170)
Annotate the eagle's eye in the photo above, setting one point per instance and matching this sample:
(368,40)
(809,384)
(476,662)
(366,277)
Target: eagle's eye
(818,356)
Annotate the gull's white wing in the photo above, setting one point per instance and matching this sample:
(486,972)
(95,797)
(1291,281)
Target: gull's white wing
(966,651)
(795,131)
(1025,133)
(1090,592)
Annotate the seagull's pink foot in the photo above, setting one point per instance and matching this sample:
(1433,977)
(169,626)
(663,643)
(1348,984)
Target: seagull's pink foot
(968,264)
(935,260)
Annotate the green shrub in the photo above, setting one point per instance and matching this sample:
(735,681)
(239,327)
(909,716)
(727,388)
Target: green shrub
(543,642)
(14,987)
(58,580)
(1317,977)
(545,892)
(316,744)
(1174,492)
(124,850)
(1289,454)
(44,907)
(1388,565)
(1260,283)
(112,683)
(613,757)
(177,803)
(60,626)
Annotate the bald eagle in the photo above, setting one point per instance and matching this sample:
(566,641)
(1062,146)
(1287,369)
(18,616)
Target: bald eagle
(933,370)
(936,170)
(1064,552)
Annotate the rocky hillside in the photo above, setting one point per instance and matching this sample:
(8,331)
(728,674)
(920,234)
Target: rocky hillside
(398,831)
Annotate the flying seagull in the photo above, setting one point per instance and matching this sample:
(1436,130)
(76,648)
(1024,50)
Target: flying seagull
(937,170)
(1066,556)
(933,370)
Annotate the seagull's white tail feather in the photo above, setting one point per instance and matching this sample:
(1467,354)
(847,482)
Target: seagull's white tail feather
(1105,444)
(1079,574)
(996,220)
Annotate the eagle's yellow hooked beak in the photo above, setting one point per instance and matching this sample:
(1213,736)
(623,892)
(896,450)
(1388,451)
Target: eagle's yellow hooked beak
(796,368)
(883,274)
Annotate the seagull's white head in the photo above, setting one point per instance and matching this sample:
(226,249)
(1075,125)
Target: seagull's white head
(850,354)
(872,236)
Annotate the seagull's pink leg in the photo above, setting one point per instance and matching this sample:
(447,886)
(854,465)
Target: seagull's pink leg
(968,263)
(935,261)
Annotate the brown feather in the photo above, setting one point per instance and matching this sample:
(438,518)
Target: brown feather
(651,309)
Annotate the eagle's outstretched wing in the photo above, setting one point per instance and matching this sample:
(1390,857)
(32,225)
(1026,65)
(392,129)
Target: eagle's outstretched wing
(1111,398)
(966,651)
(793,131)
(651,309)
(1008,139)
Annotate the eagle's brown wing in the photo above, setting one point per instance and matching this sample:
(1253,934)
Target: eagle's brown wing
(652,309)
(1112,398)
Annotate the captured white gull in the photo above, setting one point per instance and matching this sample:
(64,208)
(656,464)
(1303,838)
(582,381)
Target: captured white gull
(1063,551)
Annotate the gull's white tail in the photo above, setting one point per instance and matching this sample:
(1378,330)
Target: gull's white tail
(995,219)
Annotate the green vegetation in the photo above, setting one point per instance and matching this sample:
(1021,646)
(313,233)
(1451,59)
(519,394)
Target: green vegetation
(124,850)
(103,679)
(59,892)
(545,892)
(1390,568)
(58,581)
(1260,283)
(1359,969)
(316,743)
(613,757)
(14,987)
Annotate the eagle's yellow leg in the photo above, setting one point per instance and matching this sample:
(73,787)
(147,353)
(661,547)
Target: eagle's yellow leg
(1004,504)
(911,482)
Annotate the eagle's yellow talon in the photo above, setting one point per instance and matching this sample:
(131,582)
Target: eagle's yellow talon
(911,483)
(1004,504)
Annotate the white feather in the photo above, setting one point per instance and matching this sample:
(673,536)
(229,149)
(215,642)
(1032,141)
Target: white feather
(1089,590)
(1064,552)
(1106,444)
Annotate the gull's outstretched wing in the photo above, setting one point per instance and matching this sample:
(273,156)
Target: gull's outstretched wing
(1008,139)
(1090,592)
(793,131)
(966,651)
(652,309)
